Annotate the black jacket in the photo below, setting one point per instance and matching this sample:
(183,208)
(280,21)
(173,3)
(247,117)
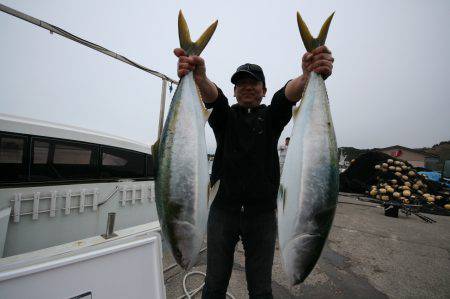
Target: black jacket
(246,158)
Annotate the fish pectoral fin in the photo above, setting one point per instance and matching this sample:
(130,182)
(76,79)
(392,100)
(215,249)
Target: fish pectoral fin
(212,191)
(155,147)
(206,114)
(282,196)
(310,42)
(193,48)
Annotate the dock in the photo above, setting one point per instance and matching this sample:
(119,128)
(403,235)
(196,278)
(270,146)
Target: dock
(367,255)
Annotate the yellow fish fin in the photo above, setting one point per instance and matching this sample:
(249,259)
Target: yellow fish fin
(310,42)
(193,48)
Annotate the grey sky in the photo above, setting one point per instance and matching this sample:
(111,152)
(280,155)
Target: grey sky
(389,86)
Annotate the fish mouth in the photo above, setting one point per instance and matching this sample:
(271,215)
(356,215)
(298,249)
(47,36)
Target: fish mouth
(300,256)
(183,261)
(186,244)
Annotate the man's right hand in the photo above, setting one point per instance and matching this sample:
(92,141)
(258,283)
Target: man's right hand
(196,64)
(190,63)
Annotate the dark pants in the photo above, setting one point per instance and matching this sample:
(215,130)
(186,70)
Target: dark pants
(258,233)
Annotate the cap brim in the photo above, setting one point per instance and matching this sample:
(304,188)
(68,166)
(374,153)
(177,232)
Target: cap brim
(241,74)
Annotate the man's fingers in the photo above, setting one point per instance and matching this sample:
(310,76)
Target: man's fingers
(322,56)
(321,49)
(197,60)
(319,64)
(179,52)
(185,65)
(307,56)
(320,61)
(325,72)
(182,73)
(183,59)
(192,60)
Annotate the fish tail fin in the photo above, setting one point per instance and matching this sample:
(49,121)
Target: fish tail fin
(193,48)
(310,42)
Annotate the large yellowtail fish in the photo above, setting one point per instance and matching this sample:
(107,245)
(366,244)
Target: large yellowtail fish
(309,183)
(182,178)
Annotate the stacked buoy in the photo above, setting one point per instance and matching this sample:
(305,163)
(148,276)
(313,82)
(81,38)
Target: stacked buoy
(398,181)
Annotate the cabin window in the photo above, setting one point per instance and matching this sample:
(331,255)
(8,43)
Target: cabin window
(118,163)
(40,152)
(61,160)
(73,160)
(12,155)
(71,154)
(111,160)
(41,169)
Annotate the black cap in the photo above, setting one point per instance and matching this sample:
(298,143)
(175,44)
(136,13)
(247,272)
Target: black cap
(252,70)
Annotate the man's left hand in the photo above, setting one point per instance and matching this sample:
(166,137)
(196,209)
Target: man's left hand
(319,61)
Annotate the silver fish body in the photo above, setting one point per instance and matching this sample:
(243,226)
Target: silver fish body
(308,190)
(182,174)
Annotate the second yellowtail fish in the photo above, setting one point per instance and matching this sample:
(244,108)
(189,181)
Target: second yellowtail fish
(309,183)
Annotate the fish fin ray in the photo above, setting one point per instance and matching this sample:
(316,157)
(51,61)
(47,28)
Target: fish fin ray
(207,113)
(308,40)
(155,147)
(212,192)
(282,195)
(183,32)
(295,111)
(186,43)
(324,30)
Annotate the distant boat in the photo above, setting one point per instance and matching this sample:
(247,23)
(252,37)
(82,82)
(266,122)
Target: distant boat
(58,183)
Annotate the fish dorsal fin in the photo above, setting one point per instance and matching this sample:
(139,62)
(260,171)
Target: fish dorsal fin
(310,42)
(212,191)
(193,48)
(155,147)
(205,112)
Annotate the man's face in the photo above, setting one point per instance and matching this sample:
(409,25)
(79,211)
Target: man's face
(249,92)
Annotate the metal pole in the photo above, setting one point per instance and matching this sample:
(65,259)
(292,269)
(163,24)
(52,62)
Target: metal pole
(162,106)
(110,226)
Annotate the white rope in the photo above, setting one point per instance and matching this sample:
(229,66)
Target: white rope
(190,294)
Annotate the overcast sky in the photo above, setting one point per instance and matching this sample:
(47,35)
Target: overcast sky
(390,83)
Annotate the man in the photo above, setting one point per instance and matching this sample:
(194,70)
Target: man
(282,149)
(246,163)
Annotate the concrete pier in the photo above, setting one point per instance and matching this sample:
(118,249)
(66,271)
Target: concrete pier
(368,255)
